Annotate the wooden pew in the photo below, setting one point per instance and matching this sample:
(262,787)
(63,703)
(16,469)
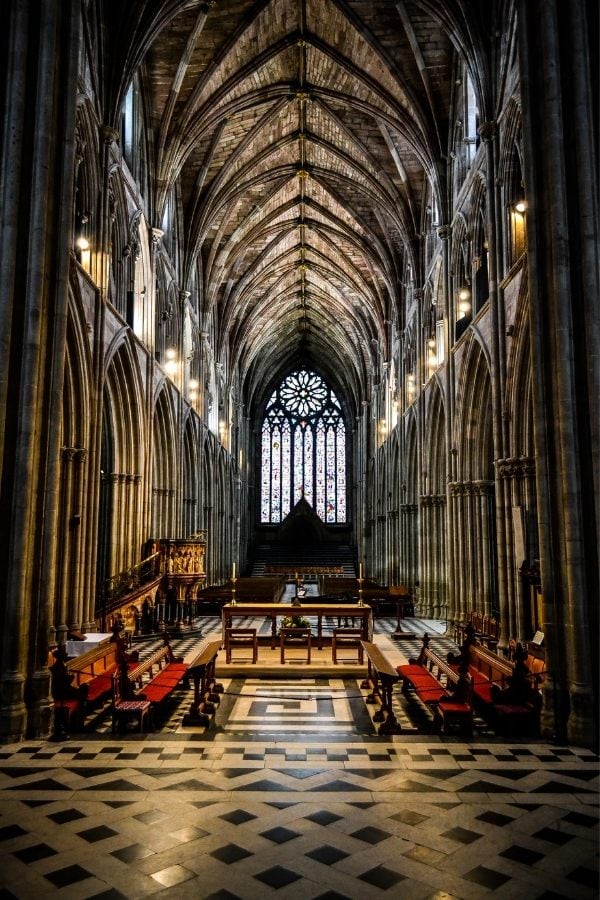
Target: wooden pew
(381,678)
(486,629)
(155,678)
(381,599)
(206,688)
(505,693)
(95,669)
(259,590)
(83,682)
(442,687)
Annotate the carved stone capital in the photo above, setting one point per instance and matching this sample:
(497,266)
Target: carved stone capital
(108,135)
(444,232)
(515,467)
(482,487)
(487,131)
(431,500)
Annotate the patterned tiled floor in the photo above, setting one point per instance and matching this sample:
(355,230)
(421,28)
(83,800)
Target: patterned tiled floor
(291,793)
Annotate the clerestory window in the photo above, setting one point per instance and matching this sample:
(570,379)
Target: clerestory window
(303,450)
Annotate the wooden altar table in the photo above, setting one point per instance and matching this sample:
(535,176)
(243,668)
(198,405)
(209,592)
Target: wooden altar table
(314,609)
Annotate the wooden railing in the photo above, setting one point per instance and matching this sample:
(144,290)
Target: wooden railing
(124,583)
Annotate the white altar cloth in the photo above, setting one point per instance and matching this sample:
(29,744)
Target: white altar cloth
(92,639)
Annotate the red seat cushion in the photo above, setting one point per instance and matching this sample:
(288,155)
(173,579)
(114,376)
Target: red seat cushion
(176,667)
(166,680)
(98,687)
(156,693)
(450,707)
(410,669)
(483,692)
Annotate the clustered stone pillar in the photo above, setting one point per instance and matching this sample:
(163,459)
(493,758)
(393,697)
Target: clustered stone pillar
(39,72)
(557,46)
(433,556)
(472,523)
(409,541)
(517,483)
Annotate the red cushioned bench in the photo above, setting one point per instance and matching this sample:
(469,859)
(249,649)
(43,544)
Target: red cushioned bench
(424,675)
(441,687)
(156,678)
(505,694)
(95,669)
(82,682)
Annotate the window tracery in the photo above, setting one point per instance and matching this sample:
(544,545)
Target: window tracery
(303,451)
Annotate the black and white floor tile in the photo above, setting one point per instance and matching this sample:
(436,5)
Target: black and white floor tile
(291,793)
(204,819)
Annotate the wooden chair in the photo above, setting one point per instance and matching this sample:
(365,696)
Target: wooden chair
(347,638)
(240,637)
(125,710)
(294,637)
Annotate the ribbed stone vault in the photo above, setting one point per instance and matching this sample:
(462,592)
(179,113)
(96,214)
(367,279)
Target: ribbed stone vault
(302,137)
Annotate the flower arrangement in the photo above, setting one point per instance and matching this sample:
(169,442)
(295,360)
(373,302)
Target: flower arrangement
(294,622)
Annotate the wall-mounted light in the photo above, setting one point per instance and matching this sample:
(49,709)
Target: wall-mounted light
(464,301)
(82,247)
(520,206)
(171,361)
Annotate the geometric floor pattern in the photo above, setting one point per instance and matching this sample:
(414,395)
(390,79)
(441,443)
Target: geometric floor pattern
(290,793)
(191,818)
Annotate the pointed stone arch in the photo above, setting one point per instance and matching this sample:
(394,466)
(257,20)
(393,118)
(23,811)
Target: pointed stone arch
(164,472)
(74,604)
(121,460)
(432,518)
(472,497)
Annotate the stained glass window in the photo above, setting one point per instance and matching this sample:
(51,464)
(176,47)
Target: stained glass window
(303,450)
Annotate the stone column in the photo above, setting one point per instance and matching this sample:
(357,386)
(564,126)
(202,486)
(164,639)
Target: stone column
(37,135)
(557,49)
(444,234)
(517,475)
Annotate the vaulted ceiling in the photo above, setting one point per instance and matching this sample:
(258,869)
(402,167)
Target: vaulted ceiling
(300,136)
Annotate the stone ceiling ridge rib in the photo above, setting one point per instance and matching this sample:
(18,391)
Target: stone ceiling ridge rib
(299,136)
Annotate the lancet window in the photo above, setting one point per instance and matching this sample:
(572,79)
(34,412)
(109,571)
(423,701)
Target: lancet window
(303,450)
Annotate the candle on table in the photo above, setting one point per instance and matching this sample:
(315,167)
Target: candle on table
(233,573)
(360,570)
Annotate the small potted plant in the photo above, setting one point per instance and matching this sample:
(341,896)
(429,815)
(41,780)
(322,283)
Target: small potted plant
(294,622)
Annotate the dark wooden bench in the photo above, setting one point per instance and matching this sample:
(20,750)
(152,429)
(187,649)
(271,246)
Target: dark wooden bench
(81,683)
(425,675)
(506,694)
(381,678)
(485,629)
(95,669)
(445,689)
(155,678)
(207,690)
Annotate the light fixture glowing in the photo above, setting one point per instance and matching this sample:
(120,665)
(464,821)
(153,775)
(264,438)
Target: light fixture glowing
(464,294)
(521,206)
(193,384)
(82,243)
(171,353)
